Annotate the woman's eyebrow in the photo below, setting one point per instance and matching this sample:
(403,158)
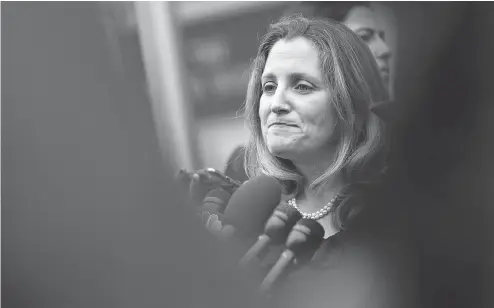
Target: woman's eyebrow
(364,28)
(293,76)
(268,76)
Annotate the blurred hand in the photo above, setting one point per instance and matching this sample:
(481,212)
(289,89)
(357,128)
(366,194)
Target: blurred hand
(201,183)
(213,224)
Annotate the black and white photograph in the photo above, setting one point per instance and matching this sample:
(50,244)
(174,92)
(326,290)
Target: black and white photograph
(247,154)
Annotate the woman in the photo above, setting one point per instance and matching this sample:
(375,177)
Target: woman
(363,19)
(308,108)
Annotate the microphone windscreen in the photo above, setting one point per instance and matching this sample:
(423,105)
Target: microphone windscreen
(281,223)
(306,236)
(289,214)
(252,204)
(216,201)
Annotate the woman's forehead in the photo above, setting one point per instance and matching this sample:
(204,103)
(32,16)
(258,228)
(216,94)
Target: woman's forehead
(298,55)
(295,47)
(361,17)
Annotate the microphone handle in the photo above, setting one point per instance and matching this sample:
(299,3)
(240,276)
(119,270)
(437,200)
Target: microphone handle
(262,243)
(285,260)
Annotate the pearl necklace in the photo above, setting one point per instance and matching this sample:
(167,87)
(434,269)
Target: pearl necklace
(315,215)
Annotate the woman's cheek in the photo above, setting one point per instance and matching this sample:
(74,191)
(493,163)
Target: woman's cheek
(263,111)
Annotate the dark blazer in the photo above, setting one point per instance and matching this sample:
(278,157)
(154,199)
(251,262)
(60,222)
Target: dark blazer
(366,265)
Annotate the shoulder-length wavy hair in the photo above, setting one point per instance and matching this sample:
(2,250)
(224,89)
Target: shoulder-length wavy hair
(350,71)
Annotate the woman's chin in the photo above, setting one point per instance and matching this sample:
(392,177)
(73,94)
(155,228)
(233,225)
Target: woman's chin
(282,146)
(284,151)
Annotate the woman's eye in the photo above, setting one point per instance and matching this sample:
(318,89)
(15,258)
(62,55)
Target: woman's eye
(366,36)
(303,88)
(269,87)
(382,35)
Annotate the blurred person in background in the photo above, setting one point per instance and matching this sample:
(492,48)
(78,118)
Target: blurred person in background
(360,17)
(363,19)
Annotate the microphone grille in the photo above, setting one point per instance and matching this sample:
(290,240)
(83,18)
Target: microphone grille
(281,223)
(217,198)
(292,214)
(252,204)
(306,235)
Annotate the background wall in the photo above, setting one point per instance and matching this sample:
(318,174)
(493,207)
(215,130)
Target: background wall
(219,47)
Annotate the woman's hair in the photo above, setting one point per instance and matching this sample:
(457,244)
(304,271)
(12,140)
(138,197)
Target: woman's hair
(350,71)
(323,9)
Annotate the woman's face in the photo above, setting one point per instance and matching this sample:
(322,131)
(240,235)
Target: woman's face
(297,120)
(365,23)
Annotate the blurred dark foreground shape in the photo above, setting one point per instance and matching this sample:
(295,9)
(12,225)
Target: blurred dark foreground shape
(90,215)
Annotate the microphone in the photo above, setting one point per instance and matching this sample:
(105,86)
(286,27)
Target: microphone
(250,206)
(213,206)
(215,201)
(275,232)
(305,238)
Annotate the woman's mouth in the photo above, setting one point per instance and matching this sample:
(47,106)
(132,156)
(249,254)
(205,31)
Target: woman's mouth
(282,124)
(283,128)
(384,71)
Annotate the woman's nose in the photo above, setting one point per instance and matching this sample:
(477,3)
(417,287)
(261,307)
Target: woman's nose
(382,49)
(279,103)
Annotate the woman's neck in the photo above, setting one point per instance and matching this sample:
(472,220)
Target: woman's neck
(312,170)
(311,200)
(320,196)
(312,165)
